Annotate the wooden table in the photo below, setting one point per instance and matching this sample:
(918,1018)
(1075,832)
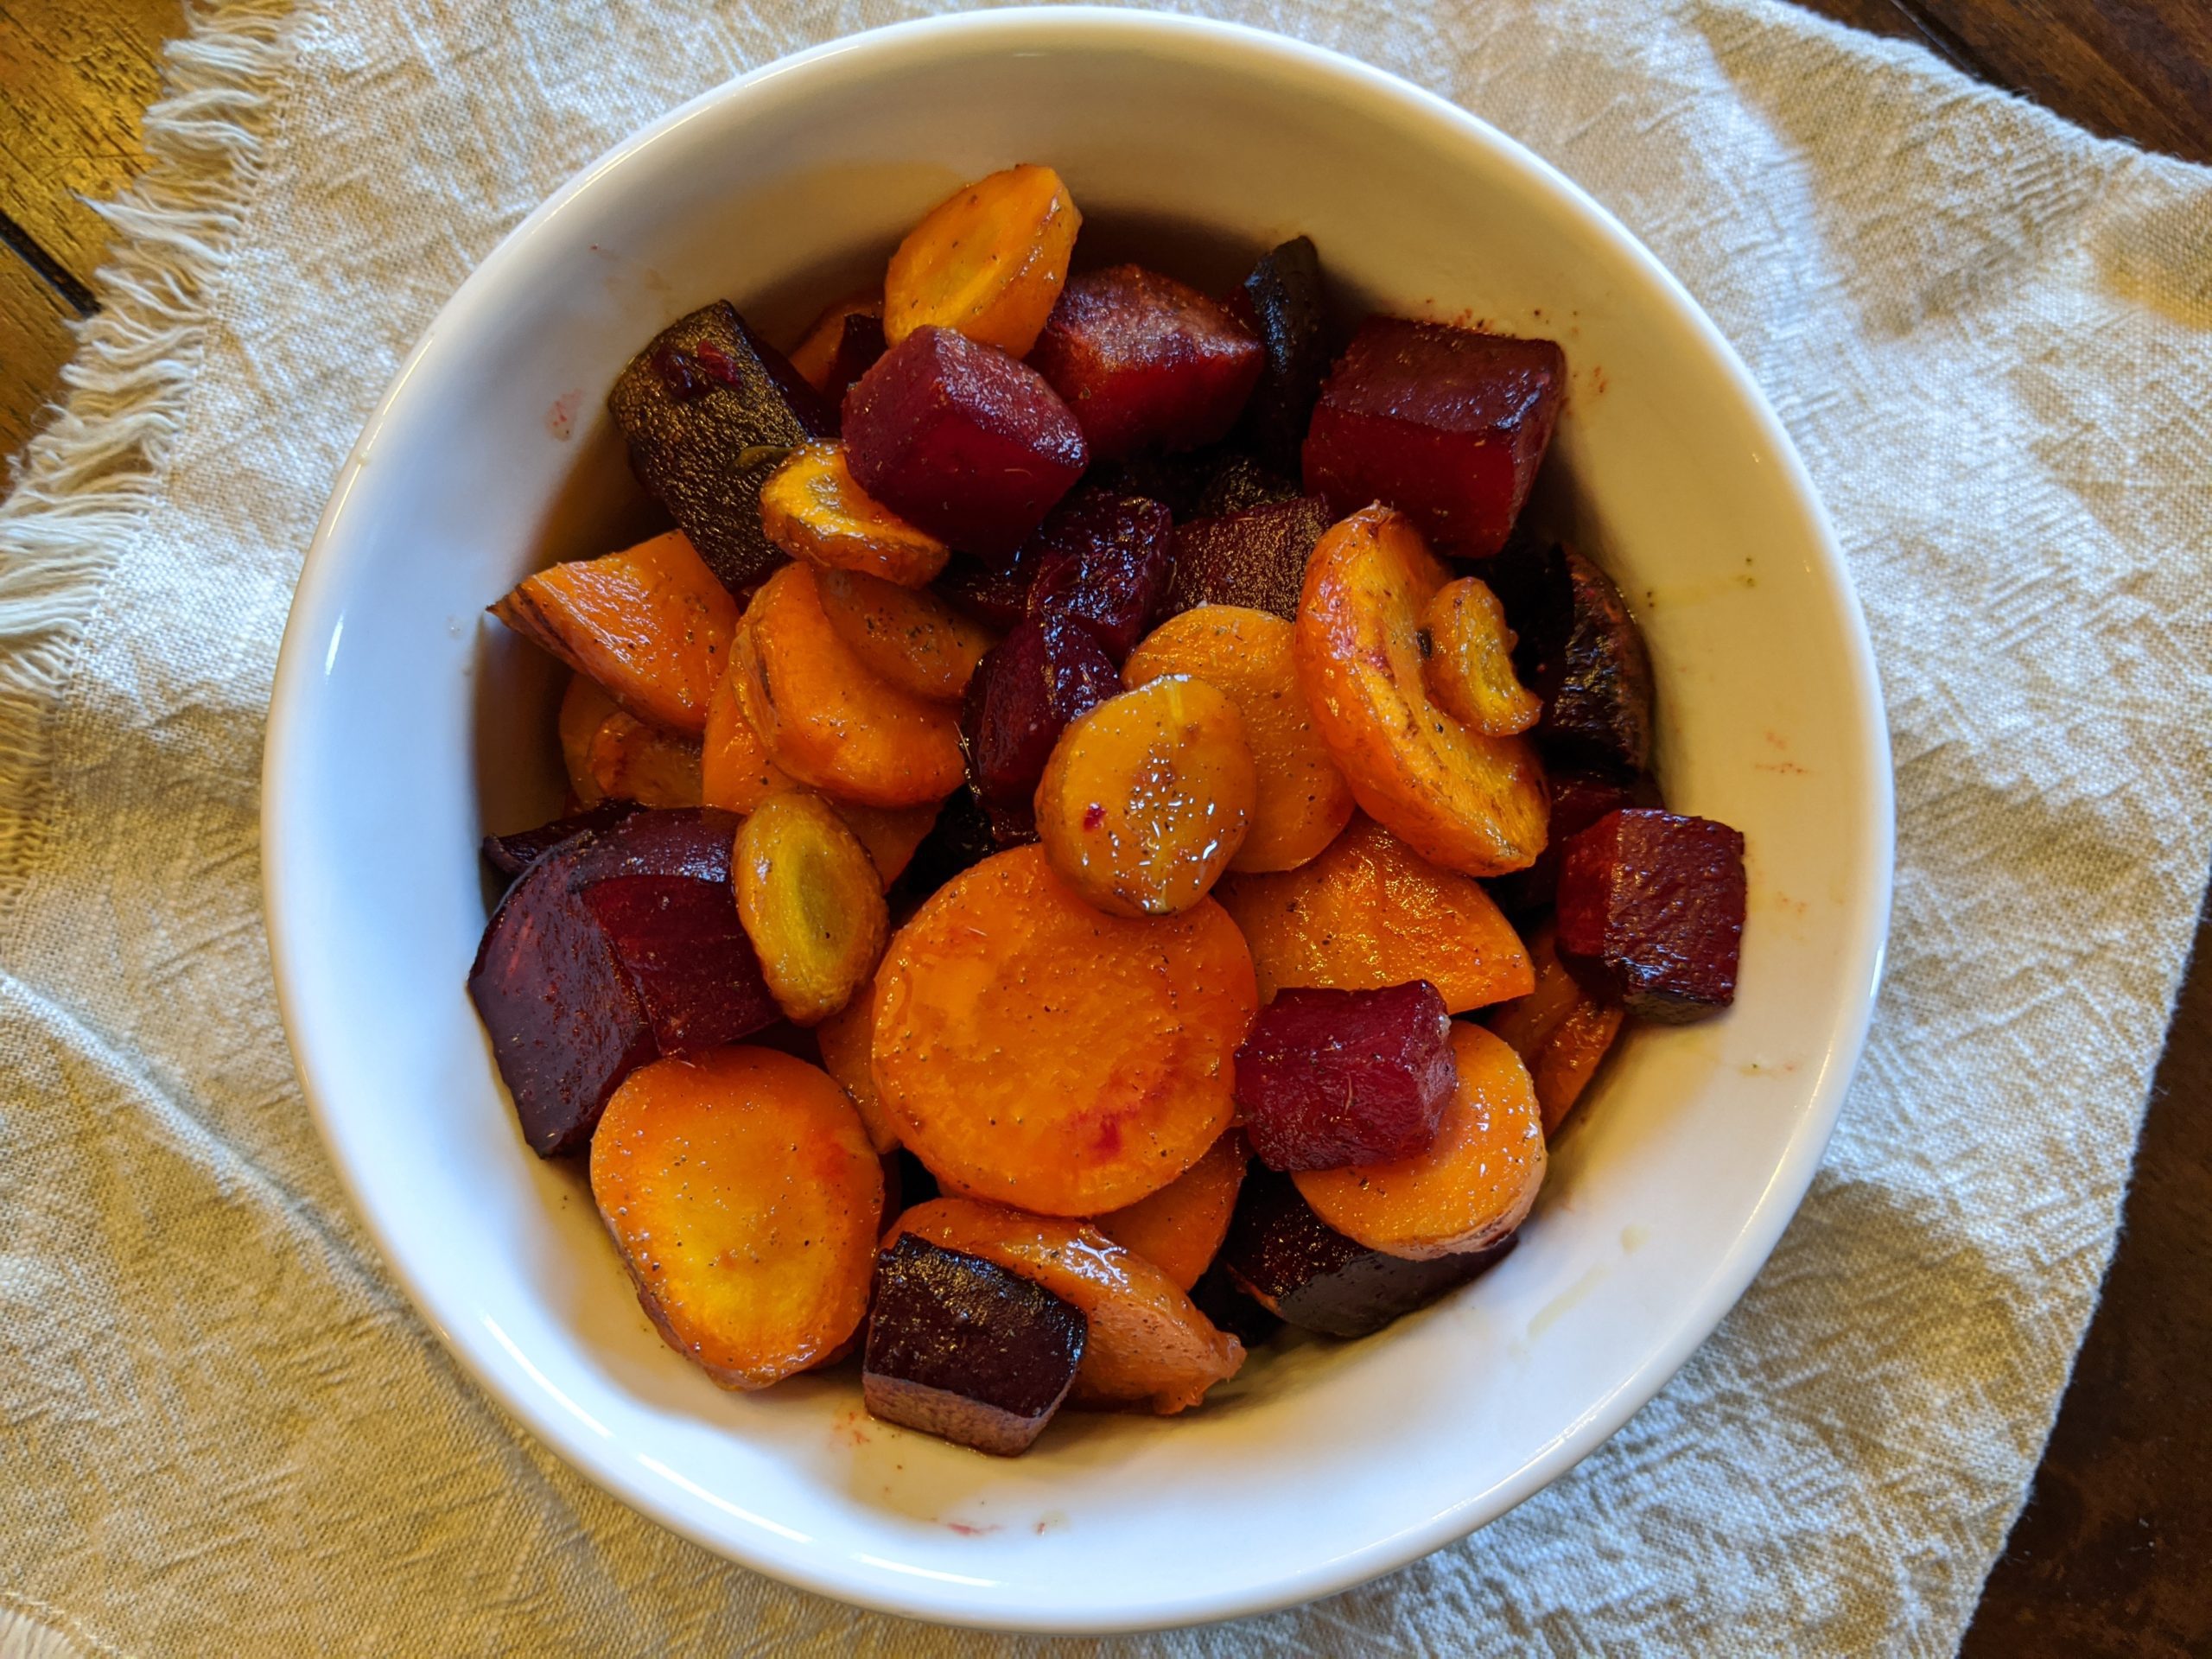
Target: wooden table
(2114,1554)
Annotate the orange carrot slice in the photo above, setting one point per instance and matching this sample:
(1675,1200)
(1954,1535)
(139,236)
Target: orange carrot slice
(988,261)
(908,635)
(1560,1030)
(1468,660)
(847,1040)
(1179,1228)
(813,508)
(816,355)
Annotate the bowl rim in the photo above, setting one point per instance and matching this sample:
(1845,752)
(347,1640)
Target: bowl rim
(509,1377)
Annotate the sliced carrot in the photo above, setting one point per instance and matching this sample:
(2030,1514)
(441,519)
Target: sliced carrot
(633,761)
(1035,1050)
(1370,913)
(735,772)
(1146,1344)
(1560,1030)
(1302,799)
(908,635)
(744,1197)
(827,720)
(584,709)
(1468,660)
(1475,1183)
(848,1042)
(816,355)
(892,834)
(1179,1228)
(1147,796)
(812,902)
(1473,804)
(651,624)
(813,508)
(988,261)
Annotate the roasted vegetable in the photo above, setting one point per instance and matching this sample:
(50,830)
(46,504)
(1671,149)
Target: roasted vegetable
(1102,560)
(1235,482)
(1300,799)
(1034,1050)
(847,1040)
(1282,304)
(1148,1345)
(962,441)
(812,902)
(1445,424)
(744,1198)
(812,509)
(1579,800)
(1148,798)
(841,346)
(1468,659)
(1560,1030)
(516,851)
(1179,1228)
(1146,361)
(1583,655)
(963,1349)
(1301,1269)
(1370,912)
(1256,557)
(1327,1078)
(1469,803)
(987,261)
(649,624)
(706,410)
(1469,1187)
(1032,684)
(1651,911)
(912,639)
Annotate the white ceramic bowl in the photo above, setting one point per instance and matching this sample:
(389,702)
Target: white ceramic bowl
(403,724)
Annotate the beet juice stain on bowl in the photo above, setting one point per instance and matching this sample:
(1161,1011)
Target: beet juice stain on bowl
(1026,642)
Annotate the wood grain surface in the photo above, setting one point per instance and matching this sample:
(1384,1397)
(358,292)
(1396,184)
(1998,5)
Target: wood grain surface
(2113,1552)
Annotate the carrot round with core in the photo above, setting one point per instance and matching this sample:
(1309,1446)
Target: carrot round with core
(828,721)
(1475,1183)
(1179,1228)
(743,1195)
(1370,913)
(1146,1344)
(651,624)
(1035,1050)
(814,509)
(908,635)
(812,902)
(1301,800)
(988,261)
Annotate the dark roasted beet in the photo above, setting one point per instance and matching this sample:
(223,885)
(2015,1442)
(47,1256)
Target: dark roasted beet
(859,342)
(1218,1297)
(1256,558)
(1651,911)
(1046,673)
(993,591)
(566,1022)
(1145,361)
(688,956)
(513,854)
(1594,675)
(1579,800)
(1298,1267)
(1102,560)
(1446,424)
(1237,481)
(961,440)
(1326,1078)
(959,1347)
(1287,312)
(689,406)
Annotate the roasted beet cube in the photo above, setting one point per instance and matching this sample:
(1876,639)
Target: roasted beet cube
(959,1347)
(1651,911)
(1445,424)
(1327,1078)
(1301,1269)
(1283,296)
(961,440)
(1595,679)
(995,591)
(1102,561)
(1146,361)
(515,852)
(689,406)
(1255,558)
(1579,800)
(1028,687)
(1222,1300)
(688,956)
(1237,481)
(859,342)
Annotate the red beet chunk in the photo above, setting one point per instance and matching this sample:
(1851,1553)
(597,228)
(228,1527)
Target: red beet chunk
(689,406)
(1327,1078)
(1027,688)
(1579,800)
(566,1022)
(1651,911)
(1145,361)
(993,591)
(859,344)
(513,853)
(1255,558)
(960,1348)
(961,440)
(1102,561)
(1301,1269)
(690,957)
(1287,312)
(1446,424)
(1237,481)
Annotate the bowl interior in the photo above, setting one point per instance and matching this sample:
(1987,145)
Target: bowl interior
(405,722)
